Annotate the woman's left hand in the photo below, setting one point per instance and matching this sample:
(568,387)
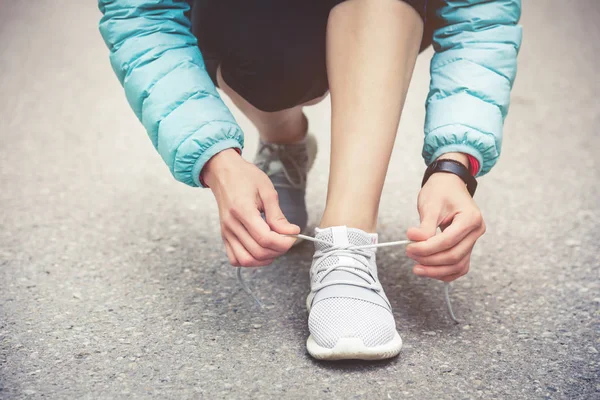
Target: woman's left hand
(445,202)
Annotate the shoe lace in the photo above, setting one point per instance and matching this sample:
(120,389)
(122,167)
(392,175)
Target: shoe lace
(271,152)
(359,253)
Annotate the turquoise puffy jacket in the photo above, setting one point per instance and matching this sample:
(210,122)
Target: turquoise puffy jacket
(157,60)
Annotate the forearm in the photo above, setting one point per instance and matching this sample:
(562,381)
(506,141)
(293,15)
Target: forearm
(156,58)
(472,74)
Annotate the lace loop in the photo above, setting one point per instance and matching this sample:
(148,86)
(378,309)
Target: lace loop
(362,256)
(271,152)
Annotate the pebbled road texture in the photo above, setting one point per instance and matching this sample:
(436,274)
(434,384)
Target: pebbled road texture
(113,282)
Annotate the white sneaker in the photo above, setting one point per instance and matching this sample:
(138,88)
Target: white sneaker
(349,315)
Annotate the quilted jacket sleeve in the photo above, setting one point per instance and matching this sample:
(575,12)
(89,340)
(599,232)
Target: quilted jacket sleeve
(472,73)
(157,60)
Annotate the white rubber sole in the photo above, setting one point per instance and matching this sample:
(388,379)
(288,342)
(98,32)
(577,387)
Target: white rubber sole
(354,349)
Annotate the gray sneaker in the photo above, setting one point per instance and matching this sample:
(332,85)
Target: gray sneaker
(349,315)
(287,166)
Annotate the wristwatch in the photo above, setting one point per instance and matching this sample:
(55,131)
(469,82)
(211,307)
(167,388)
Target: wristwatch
(452,167)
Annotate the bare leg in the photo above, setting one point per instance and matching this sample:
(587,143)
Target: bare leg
(372,46)
(281,127)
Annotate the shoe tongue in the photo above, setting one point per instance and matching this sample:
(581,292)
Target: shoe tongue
(286,163)
(343,236)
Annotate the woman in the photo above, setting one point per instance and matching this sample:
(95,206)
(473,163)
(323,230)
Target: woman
(272,58)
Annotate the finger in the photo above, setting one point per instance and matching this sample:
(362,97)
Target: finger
(244,258)
(452,278)
(255,250)
(261,232)
(437,272)
(445,273)
(451,256)
(427,229)
(274,215)
(232,260)
(461,226)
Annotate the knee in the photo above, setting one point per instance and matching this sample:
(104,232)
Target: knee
(357,8)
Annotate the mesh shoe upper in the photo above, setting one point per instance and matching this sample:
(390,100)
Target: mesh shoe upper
(346,299)
(338,317)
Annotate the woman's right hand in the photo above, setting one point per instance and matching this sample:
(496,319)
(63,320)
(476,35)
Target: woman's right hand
(242,192)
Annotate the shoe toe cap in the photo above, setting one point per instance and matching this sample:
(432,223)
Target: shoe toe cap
(334,318)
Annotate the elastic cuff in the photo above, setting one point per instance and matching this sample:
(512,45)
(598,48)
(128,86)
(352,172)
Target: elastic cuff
(208,154)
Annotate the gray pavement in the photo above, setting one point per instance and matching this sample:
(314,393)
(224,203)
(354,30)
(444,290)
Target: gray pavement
(113,283)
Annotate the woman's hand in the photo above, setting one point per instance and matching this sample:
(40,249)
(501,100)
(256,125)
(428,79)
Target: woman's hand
(242,191)
(445,202)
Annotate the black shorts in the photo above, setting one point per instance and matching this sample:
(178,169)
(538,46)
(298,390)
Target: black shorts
(271,52)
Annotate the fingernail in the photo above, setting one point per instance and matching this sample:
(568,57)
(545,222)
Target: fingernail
(419,271)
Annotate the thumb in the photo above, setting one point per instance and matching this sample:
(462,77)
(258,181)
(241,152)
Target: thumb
(427,229)
(274,216)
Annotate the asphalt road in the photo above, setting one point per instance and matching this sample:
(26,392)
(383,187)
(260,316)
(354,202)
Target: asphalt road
(113,282)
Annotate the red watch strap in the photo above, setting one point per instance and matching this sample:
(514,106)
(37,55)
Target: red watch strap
(473,165)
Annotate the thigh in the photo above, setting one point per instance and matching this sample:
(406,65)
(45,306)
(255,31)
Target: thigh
(271,52)
(426,10)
